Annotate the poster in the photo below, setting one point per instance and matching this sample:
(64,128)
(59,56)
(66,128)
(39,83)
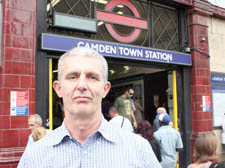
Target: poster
(218,107)
(19,103)
(206,103)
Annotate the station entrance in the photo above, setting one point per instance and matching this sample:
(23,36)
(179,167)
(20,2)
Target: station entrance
(153,84)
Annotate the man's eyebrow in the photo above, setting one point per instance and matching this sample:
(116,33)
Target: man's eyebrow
(72,73)
(93,73)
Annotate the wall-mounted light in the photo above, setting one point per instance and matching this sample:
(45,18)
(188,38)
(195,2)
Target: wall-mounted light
(187,49)
(190,49)
(203,39)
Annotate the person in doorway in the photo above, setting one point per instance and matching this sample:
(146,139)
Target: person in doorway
(118,121)
(34,121)
(144,128)
(124,106)
(160,110)
(85,139)
(205,152)
(139,109)
(169,140)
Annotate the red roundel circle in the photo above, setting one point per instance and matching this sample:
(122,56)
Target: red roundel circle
(123,38)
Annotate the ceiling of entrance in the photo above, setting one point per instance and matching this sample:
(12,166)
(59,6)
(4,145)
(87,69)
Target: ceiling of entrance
(120,71)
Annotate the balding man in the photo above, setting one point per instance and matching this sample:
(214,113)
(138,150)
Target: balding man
(34,121)
(160,110)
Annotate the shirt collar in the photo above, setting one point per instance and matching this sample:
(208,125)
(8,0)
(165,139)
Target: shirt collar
(59,134)
(105,129)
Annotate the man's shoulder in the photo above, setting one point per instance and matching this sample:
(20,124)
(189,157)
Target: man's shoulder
(125,136)
(119,98)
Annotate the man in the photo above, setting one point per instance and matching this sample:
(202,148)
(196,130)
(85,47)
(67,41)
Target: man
(118,121)
(85,139)
(34,121)
(169,140)
(124,106)
(160,110)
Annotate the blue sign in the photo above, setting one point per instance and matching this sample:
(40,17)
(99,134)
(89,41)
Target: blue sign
(22,110)
(63,43)
(218,79)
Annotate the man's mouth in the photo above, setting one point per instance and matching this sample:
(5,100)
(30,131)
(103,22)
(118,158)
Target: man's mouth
(82,98)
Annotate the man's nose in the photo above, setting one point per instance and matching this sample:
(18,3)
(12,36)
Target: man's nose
(82,84)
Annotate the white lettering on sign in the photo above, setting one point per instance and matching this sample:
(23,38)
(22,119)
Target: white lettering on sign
(130,52)
(159,56)
(108,49)
(218,78)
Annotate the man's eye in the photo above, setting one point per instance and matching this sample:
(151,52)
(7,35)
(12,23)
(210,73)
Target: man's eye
(72,77)
(93,77)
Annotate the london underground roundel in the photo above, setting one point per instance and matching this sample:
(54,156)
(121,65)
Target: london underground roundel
(131,21)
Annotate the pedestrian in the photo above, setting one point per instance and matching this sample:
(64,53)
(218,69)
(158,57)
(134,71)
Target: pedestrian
(139,109)
(85,139)
(34,121)
(118,121)
(125,106)
(205,152)
(144,128)
(169,141)
(160,110)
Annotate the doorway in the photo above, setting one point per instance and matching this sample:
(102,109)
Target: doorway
(152,84)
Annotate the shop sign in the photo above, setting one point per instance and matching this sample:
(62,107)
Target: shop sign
(64,43)
(19,103)
(218,79)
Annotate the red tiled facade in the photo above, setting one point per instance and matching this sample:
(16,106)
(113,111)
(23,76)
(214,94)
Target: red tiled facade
(17,72)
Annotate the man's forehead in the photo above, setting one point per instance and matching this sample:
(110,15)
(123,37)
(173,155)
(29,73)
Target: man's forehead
(131,90)
(32,119)
(79,63)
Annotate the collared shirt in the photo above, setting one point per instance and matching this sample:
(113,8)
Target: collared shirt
(107,147)
(118,122)
(169,140)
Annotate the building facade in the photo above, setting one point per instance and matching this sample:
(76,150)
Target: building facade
(167,51)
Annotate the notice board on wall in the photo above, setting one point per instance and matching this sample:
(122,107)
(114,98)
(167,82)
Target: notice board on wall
(218,107)
(19,103)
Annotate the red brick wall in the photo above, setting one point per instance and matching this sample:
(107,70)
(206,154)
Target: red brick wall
(200,75)
(17,73)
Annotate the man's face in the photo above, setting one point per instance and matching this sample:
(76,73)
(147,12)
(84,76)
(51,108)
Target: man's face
(32,124)
(82,86)
(130,93)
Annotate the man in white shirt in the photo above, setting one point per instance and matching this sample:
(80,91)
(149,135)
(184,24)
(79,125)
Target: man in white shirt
(119,121)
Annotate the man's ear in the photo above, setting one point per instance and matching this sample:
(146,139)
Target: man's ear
(107,88)
(57,88)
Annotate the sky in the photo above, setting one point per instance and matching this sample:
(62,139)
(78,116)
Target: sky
(220,3)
